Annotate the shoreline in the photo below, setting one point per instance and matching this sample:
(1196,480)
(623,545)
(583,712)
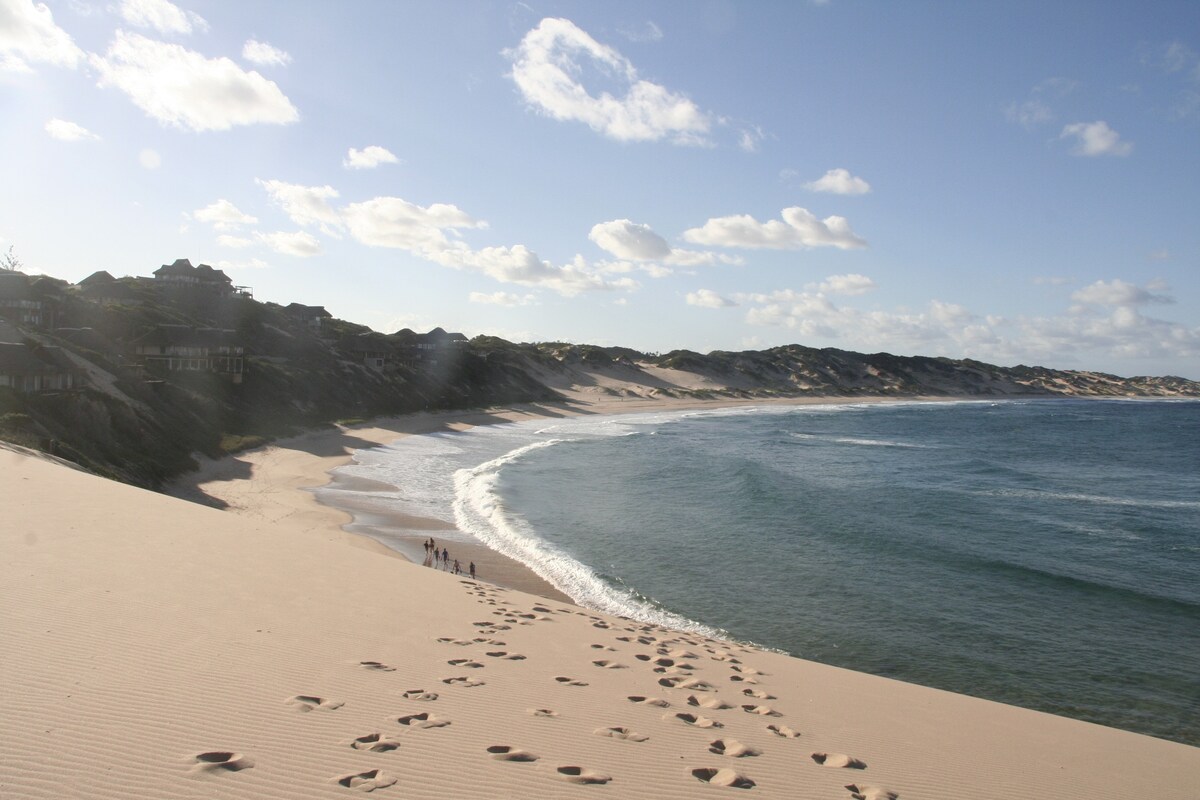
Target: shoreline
(306,463)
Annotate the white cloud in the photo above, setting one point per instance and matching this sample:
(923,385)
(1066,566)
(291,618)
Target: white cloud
(1029,114)
(235,242)
(305,205)
(223,215)
(393,222)
(1119,293)
(296,243)
(852,284)
(799,228)
(66,131)
(839,181)
(507,299)
(520,265)
(150,159)
(547,66)
(707,298)
(265,55)
(648,31)
(162,16)
(182,88)
(1096,139)
(368,158)
(28,34)
(750,137)
(253,263)
(631,240)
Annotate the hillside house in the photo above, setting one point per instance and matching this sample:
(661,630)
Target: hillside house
(372,349)
(102,287)
(19,303)
(182,348)
(34,368)
(309,316)
(181,275)
(425,347)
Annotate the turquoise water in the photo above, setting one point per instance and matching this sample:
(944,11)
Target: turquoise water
(1040,553)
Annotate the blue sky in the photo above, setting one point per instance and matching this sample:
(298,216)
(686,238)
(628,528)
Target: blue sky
(1012,182)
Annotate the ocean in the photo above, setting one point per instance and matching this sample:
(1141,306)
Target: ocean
(1043,553)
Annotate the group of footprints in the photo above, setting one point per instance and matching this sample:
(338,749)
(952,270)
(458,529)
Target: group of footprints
(677,668)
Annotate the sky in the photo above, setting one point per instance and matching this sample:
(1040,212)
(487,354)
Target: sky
(1014,182)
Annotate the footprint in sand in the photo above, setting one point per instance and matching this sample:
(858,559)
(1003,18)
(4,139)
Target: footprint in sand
(838,760)
(621,733)
(743,679)
(506,655)
(306,702)
(695,720)
(733,748)
(581,775)
(604,647)
(677,653)
(367,781)
(464,681)
(464,662)
(221,761)
(543,712)
(609,665)
(860,792)
(504,752)
(750,671)
(420,694)
(713,703)
(722,777)
(376,666)
(459,642)
(758,694)
(764,711)
(570,681)
(423,720)
(374,742)
(684,682)
(648,701)
(601,625)
(492,642)
(784,731)
(661,662)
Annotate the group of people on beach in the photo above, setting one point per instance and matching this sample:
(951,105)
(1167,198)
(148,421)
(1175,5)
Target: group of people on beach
(436,559)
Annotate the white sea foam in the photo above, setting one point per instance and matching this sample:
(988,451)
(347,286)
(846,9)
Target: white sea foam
(1077,497)
(859,442)
(480,511)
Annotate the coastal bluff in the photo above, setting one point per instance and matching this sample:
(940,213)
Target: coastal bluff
(133,377)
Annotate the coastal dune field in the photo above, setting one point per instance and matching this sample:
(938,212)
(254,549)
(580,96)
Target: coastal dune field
(156,648)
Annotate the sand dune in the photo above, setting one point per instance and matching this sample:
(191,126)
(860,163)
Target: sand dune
(155,648)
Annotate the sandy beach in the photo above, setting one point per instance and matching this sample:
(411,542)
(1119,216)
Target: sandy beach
(245,645)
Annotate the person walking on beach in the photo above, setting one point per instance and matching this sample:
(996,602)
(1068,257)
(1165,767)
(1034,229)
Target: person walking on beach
(457,570)
(472,570)
(445,558)
(436,557)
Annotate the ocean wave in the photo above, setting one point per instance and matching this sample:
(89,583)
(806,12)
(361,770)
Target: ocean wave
(480,511)
(854,441)
(1079,497)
